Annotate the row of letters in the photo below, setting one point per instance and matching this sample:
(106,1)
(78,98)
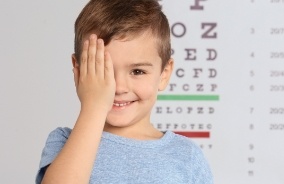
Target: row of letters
(183,126)
(186,110)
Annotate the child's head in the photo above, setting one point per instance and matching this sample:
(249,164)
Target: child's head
(120,19)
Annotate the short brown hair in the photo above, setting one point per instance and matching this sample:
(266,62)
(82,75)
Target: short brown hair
(118,19)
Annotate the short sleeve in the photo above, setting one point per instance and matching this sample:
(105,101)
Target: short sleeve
(201,172)
(54,143)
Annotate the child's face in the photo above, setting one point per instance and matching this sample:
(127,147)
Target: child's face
(138,76)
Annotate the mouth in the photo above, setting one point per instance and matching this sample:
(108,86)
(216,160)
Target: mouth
(121,104)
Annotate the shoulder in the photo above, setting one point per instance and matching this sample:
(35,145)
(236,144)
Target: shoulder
(184,143)
(54,143)
(182,147)
(60,133)
(56,140)
(191,154)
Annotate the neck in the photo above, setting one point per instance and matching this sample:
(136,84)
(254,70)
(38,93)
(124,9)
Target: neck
(146,132)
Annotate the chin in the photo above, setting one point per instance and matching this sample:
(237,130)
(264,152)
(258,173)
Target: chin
(118,122)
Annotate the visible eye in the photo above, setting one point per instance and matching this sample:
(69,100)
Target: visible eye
(137,72)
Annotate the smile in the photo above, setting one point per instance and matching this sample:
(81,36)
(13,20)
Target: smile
(121,104)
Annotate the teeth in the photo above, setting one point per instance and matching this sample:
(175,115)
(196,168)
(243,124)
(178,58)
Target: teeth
(121,104)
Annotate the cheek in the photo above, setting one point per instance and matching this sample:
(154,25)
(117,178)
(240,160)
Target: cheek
(147,89)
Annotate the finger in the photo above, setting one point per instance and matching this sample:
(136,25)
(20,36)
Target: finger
(108,67)
(84,59)
(92,54)
(100,59)
(76,76)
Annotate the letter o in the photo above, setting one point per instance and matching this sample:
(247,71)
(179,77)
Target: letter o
(183,126)
(179,110)
(180,25)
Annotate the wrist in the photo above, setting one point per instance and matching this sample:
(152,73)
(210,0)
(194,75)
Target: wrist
(94,109)
(93,117)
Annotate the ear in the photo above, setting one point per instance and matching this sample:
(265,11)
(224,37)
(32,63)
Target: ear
(76,70)
(166,75)
(75,63)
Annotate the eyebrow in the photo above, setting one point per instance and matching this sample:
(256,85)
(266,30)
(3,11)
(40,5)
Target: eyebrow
(141,64)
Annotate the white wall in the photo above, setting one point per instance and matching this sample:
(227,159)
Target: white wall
(37,92)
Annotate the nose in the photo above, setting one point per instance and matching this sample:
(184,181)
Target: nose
(121,84)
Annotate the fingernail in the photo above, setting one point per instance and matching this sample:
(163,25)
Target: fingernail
(93,36)
(100,40)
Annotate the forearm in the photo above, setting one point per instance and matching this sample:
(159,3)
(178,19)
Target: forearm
(95,87)
(75,161)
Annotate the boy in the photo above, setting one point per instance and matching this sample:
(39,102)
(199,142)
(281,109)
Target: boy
(121,61)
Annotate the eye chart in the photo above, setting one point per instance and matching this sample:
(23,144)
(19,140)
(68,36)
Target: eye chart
(227,87)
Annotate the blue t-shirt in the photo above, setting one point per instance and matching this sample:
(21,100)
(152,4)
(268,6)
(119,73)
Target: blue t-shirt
(173,159)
